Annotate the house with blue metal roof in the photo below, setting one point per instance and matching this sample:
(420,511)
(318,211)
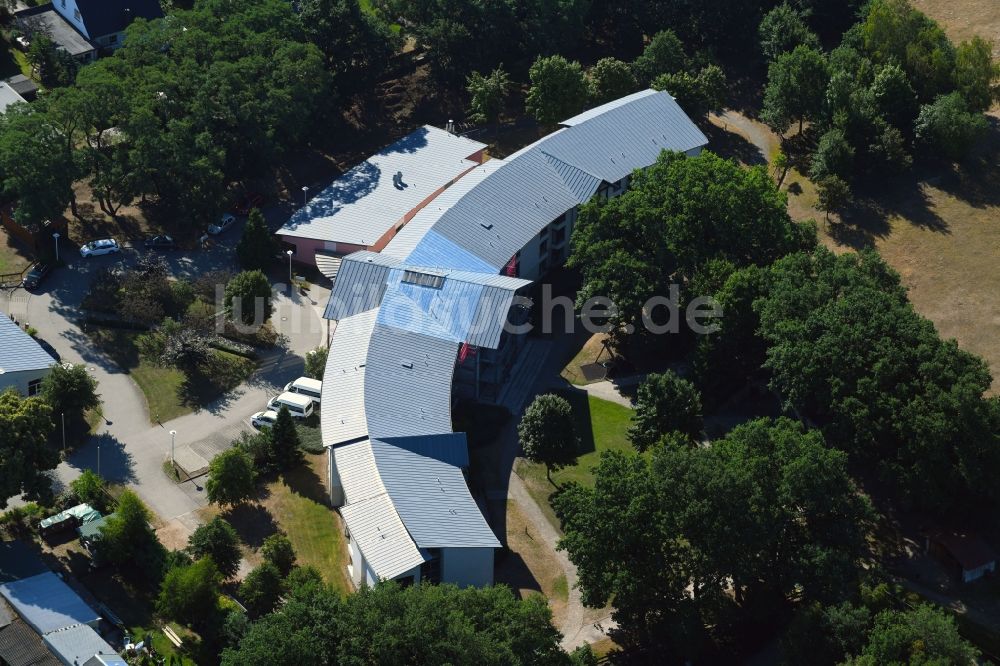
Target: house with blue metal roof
(23,362)
(426,310)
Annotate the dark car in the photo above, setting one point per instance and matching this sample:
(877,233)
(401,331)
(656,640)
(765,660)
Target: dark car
(35,276)
(244,205)
(160,243)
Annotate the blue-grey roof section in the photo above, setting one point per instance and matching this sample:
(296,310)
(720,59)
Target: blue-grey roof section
(449,447)
(18,351)
(78,645)
(47,603)
(360,284)
(613,140)
(365,203)
(432,499)
(436,250)
(408,383)
(581,184)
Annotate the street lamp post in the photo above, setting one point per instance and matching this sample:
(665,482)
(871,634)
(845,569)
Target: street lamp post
(305,195)
(173,437)
(98,456)
(56,237)
(64,433)
(289,253)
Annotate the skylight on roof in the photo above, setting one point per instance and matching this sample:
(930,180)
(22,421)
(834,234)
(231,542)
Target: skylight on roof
(423,279)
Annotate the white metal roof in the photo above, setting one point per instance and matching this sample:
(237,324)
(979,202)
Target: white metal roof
(18,350)
(79,644)
(47,603)
(342,418)
(358,475)
(376,528)
(364,203)
(8,96)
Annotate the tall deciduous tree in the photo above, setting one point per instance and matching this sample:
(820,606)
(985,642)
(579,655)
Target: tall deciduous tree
(25,451)
(230,478)
(663,55)
(315,364)
(665,403)
(71,391)
(558,89)
(548,433)
(261,589)
(248,297)
(833,193)
(977,75)
(610,79)
(922,635)
(782,29)
(796,85)
(277,549)
(696,93)
(788,496)
(128,541)
(190,594)
(948,127)
(217,539)
(488,96)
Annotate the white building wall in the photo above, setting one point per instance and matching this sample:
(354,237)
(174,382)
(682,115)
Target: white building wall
(467,566)
(20,380)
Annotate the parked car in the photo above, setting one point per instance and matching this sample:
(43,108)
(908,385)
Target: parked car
(160,243)
(99,247)
(247,203)
(228,220)
(264,419)
(311,388)
(36,275)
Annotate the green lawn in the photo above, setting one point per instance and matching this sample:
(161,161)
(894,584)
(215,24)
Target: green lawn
(602,426)
(12,60)
(168,393)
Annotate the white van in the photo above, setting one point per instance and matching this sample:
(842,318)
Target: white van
(300,406)
(311,388)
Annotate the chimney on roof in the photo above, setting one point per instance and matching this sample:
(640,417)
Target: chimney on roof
(450,126)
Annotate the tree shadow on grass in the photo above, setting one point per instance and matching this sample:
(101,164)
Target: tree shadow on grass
(253,522)
(210,387)
(580,402)
(512,570)
(731,145)
(304,481)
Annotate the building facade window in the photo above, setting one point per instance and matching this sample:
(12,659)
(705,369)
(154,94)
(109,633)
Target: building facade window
(34,387)
(543,247)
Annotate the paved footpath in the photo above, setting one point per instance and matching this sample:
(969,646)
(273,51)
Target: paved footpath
(131,449)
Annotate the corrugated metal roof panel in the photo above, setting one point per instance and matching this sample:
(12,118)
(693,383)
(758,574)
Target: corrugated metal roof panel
(76,645)
(342,418)
(436,250)
(490,317)
(18,350)
(364,203)
(432,499)
(625,136)
(358,474)
(408,383)
(47,603)
(377,529)
(590,114)
(360,284)
(450,447)
(580,183)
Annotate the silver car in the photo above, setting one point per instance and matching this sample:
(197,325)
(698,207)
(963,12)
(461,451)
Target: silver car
(99,247)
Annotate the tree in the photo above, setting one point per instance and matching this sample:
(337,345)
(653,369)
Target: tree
(796,85)
(834,156)
(186,349)
(678,214)
(285,441)
(781,166)
(248,297)
(25,450)
(390,624)
(128,541)
(315,364)
(923,635)
(558,89)
(834,193)
(783,29)
(976,75)
(947,127)
(90,489)
(610,79)
(35,168)
(548,434)
(663,55)
(70,390)
(488,96)
(894,97)
(846,349)
(357,44)
(257,246)
(230,478)
(217,539)
(665,403)
(697,93)
(190,594)
(278,550)
(800,519)
(261,589)
(258,446)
